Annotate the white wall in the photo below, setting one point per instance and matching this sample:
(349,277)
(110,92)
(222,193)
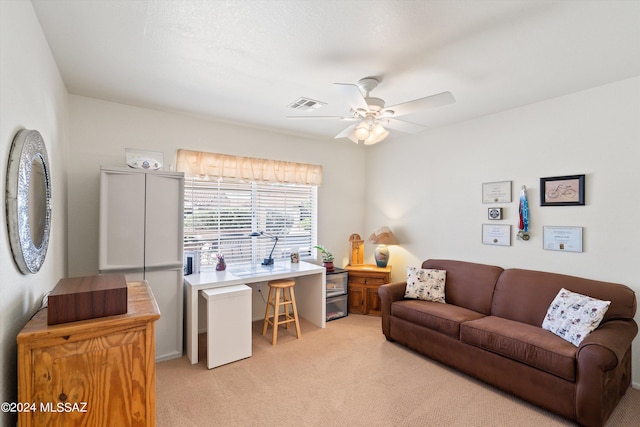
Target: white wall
(100,131)
(33,96)
(427,187)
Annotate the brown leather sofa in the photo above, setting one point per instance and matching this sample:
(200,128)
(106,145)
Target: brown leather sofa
(490,328)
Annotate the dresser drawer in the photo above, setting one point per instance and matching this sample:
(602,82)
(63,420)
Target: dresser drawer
(356,280)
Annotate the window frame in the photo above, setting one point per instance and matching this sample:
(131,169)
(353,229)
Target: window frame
(293,207)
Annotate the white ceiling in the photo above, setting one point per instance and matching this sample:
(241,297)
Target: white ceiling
(246,60)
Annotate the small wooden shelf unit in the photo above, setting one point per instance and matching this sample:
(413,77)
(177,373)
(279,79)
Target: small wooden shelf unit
(364,281)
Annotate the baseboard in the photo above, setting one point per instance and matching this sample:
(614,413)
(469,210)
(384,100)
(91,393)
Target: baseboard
(635,385)
(169,356)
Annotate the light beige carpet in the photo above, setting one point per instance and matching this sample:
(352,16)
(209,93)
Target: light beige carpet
(344,375)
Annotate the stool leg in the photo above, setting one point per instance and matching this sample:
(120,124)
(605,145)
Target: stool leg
(295,312)
(285,305)
(266,313)
(276,317)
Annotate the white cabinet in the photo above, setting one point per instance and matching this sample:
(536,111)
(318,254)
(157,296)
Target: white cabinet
(141,236)
(122,220)
(164,220)
(168,288)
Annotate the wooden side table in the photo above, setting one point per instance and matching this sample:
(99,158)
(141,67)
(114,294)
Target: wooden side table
(364,281)
(92,372)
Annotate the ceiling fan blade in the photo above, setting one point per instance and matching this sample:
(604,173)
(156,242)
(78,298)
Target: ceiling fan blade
(421,104)
(347,133)
(353,96)
(402,126)
(322,117)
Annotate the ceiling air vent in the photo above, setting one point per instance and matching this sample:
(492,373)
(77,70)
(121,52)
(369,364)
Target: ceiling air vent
(306,104)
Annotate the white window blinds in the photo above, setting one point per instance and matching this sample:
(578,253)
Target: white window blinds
(220,213)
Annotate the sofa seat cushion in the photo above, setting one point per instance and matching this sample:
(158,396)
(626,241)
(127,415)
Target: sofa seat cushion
(525,343)
(443,318)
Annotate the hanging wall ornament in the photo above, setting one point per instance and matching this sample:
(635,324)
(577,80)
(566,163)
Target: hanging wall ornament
(523,213)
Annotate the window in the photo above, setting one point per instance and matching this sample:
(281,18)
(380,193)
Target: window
(219,215)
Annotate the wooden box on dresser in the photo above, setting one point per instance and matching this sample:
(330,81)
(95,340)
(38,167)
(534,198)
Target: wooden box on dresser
(364,281)
(93,372)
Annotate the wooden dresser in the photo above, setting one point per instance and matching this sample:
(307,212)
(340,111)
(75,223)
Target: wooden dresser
(364,281)
(93,372)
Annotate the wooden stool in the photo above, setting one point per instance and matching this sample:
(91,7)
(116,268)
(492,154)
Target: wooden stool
(278,298)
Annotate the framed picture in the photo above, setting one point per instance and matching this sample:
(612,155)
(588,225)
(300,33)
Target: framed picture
(496,192)
(562,191)
(494,213)
(498,235)
(565,239)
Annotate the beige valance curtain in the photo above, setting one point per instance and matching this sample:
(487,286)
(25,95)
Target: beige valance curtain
(212,165)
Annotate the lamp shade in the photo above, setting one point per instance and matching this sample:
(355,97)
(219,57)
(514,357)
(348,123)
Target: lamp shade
(383,236)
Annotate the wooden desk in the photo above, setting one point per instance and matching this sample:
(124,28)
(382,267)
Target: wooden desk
(310,291)
(92,372)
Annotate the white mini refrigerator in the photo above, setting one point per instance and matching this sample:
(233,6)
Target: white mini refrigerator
(141,236)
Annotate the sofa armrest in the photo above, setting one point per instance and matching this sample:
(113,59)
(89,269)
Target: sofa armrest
(388,294)
(603,370)
(608,344)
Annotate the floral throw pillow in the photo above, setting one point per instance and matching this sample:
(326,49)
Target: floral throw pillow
(573,316)
(425,284)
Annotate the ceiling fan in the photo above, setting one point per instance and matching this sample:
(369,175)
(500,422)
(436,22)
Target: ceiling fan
(372,117)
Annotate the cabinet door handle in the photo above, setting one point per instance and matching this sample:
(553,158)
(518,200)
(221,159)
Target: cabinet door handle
(365,281)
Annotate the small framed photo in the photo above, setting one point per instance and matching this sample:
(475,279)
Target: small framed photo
(562,191)
(494,213)
(496,192)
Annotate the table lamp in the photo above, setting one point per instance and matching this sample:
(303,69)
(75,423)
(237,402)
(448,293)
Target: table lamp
(269,260)
(382,237)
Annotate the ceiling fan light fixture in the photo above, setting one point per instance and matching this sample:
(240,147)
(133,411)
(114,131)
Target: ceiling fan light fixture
(362,130)
(378,133)
(353,136)
(370,115)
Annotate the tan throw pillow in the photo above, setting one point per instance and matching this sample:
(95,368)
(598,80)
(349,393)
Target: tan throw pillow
(425,284)
(573,316)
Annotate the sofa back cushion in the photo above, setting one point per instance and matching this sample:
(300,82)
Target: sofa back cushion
(525,295)
(468,285)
